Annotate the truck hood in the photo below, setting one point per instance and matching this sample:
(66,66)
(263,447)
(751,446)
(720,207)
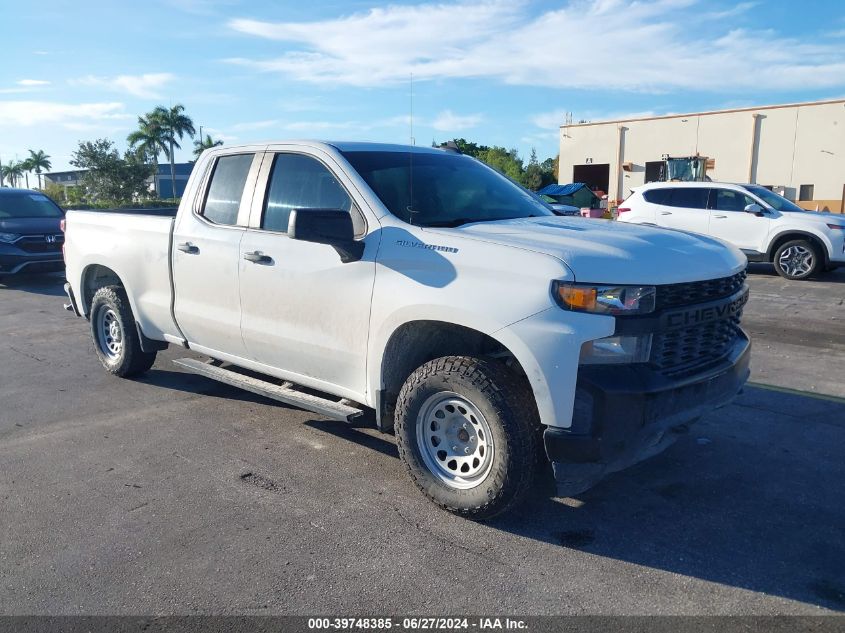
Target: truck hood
(603,251)
(30,226)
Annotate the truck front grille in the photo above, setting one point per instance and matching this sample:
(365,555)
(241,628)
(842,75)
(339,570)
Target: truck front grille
(676,351)
(690,293)
(50,243)
(686,349)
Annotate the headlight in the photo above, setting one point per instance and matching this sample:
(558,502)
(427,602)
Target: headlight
(611,300)
(616,349)
(8,237)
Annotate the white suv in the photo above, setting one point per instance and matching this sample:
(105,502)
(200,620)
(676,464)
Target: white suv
(765,226)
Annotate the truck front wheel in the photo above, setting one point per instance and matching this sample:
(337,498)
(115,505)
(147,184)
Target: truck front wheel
(116,339)
(468,433)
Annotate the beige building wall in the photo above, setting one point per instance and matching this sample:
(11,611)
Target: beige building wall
(780,146)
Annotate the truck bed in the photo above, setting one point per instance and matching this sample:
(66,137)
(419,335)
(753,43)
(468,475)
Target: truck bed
(136,247)
(165,212)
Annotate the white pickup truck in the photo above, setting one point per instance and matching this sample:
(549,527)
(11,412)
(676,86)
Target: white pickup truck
(419,288)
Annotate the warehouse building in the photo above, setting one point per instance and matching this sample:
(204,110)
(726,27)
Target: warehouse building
(797,150)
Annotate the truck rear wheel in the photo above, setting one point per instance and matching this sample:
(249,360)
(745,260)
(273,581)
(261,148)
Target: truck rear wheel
(468,433)
(116,339)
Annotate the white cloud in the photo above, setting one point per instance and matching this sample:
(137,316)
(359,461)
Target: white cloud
(32,82)
(656,46)
(147,85)
(22,113)
(254,125)
(448,121)
(738,9)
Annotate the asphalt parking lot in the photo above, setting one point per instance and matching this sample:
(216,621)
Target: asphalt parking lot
(176,495)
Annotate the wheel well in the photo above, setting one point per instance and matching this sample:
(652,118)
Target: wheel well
(95,277)
(417,342)
(788,237)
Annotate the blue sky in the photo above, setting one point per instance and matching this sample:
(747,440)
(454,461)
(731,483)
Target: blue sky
(497,72)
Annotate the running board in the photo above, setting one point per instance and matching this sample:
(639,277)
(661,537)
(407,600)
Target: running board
(283,393)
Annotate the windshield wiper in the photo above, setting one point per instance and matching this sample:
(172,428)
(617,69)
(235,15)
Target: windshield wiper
(456,222)
(459,221)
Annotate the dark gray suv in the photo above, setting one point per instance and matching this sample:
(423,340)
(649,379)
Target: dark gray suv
(30,233)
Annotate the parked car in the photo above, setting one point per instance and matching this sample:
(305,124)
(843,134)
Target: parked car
(422,286)
(30,236)
(764,225)
(561,209)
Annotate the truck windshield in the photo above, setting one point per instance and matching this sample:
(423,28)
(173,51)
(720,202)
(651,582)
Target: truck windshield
(27,205)
(777,202)
(434,189)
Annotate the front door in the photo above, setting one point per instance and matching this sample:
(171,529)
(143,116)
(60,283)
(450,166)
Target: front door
(729,220)
(206,250)
(304,311)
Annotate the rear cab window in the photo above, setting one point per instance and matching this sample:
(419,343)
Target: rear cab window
(223,198)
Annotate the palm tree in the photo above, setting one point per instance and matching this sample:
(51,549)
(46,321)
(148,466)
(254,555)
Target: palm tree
(26,166)
(39,161)
(13,171)
(174,123)
(149,141)
(202,144)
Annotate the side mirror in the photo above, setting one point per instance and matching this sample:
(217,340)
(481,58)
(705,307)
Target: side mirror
(327,226)
(754,208)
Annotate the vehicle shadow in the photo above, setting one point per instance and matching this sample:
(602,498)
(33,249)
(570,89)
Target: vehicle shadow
(51,284)
(739,502)
(763,269)
(200,385)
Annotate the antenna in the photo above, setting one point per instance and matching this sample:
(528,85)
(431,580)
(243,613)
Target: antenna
(410,207)
(413,141)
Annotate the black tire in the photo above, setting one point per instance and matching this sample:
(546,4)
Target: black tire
(806,262)
(125,358)
(507,405)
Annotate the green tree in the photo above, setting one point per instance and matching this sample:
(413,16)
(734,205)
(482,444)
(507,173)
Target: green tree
(174,124)
(149,140)
(110,176)
(550,170)
(533,172)
(39,162)
(202,144)
(13,171)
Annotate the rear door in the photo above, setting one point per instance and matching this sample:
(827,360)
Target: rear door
(730,222)
(206,252)
(305,313)
(684,208)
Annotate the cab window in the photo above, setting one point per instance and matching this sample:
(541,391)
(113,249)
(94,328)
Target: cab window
(226,189)
(301,183)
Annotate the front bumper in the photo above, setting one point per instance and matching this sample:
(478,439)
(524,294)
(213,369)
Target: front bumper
(624,414)
(14,260)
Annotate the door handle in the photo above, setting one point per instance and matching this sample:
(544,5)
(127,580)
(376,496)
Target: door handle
(721,217)
(665,213)
(187,247)
(257,257)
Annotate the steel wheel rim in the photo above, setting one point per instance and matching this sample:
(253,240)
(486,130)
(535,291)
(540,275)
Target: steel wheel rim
(796,261)
(455,440)
(109,333)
